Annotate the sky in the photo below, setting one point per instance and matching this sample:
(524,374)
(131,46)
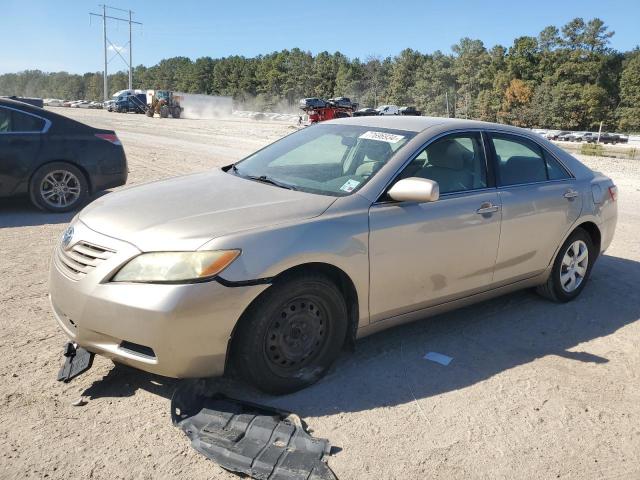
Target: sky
(60,35)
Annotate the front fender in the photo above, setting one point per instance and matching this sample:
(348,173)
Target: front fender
(338,238)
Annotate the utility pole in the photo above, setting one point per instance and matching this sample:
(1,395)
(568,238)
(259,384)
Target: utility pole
(446,96)
(116,49)
(130,55)
(599,132)
(105,91)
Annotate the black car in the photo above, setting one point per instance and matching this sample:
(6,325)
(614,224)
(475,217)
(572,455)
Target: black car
(410,111)
(312,103)
(57,161)
(365,112)
(605,138)
(342,102)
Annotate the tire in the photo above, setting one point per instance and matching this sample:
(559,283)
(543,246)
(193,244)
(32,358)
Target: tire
(149,113)
(69,180)
(291,334)
(164,111)
(557,288)
(176,112)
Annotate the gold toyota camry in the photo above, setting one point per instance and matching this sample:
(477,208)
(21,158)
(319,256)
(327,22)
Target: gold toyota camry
(271,265)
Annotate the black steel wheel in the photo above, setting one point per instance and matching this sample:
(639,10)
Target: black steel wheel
(296,336)
(291,334)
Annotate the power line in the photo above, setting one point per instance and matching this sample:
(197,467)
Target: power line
(106,40)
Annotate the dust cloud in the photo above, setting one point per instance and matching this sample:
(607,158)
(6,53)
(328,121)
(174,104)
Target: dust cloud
(200,107)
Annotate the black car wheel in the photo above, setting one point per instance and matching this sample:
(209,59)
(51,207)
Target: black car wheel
(291,335)
(58,187)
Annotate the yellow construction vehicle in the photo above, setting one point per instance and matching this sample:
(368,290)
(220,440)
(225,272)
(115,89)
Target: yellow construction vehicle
(163,103)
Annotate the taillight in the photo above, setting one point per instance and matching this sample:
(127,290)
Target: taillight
(613,192)
(109,137)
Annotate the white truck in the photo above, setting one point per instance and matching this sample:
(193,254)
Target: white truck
(388,110)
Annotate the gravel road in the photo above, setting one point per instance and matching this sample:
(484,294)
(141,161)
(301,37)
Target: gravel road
(535,390)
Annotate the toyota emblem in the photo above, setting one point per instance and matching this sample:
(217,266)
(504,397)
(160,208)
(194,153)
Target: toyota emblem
(67,236)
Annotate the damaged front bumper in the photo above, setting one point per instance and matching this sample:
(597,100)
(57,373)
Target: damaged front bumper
(177,331)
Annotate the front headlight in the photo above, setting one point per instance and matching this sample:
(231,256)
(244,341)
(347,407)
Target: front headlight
(172,267)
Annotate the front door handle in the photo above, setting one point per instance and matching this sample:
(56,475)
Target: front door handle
(487,207)
(569,194)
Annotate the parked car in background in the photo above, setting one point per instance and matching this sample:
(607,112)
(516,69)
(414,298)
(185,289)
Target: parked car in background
(270,266)
(57,161)
(109,105)
(365,112)
(569,136)
(80,104)
(312,103)
(556,134)
(342,102)
(131,103)
(388,110)
(67,103)
(607,138)
(54,102)
(96,105)
(578,136)
(409,111)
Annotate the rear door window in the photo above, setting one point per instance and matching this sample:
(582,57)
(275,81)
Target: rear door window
(555,171)
(518,160)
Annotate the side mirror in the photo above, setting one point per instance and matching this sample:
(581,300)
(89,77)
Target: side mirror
(414,189)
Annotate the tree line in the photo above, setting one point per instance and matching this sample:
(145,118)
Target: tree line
(567,78)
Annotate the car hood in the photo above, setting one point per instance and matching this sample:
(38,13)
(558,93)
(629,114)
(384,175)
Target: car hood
(184,213)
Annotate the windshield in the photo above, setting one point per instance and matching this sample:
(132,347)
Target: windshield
(326,159)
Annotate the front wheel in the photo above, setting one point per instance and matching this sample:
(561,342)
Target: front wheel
(571,268)
(291,334)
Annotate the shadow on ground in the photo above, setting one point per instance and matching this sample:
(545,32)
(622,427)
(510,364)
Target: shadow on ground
(387,369)
(20,212)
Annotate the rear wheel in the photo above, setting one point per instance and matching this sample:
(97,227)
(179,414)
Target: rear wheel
(292,334)
(164,111)
(571,268)
(176,112)
(58,187)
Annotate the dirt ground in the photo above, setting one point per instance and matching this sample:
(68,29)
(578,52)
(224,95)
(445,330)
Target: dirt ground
(535,390)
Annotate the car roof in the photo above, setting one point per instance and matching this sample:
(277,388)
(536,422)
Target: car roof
(419,124)
(27,107)
(60,123)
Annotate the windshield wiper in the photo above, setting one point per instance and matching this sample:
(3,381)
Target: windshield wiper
(263,179)
(270,181)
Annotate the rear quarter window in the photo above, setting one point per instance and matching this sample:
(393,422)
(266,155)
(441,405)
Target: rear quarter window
(21,122)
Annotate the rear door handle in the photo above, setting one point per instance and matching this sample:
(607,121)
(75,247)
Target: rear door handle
(570,194)
(487,207)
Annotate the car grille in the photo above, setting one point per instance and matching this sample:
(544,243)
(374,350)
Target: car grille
(80,259)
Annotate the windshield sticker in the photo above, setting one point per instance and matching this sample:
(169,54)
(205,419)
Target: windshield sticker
(382,136)
(349,186)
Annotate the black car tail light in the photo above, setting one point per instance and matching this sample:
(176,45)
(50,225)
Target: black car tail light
(109,137)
